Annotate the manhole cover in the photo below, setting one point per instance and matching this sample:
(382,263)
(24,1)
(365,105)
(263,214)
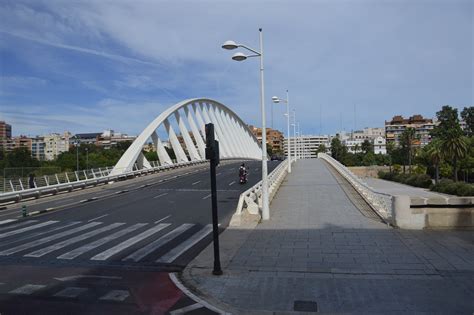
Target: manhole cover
(305,306)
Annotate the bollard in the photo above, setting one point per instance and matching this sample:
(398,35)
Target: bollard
(23,211)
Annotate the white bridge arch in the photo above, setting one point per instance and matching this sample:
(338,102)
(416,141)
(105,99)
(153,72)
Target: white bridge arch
(235,138)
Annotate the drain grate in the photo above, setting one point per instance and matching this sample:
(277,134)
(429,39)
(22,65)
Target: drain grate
(305,306)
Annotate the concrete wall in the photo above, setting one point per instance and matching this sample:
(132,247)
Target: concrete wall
(434,213)
(368,171)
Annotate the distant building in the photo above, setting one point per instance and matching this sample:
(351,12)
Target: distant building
(85,138)
(380,145)
(5,135)
(306,145)
(275,138)
(37,148)
(55,144)
(368,134)
(423,126)
(354,146)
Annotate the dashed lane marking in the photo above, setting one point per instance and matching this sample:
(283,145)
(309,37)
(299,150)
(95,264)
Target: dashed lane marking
(70,292)
(7,221)
(232,183)
(195,183)
(102,216)
(116,295)
(162,219)
(160,195)
(129,242)
(27,289)
(204,198)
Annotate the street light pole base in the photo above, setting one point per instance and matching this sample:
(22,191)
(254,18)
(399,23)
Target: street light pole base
(217,272)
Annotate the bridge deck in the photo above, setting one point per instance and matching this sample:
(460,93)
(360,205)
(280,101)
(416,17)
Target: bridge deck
(319,247)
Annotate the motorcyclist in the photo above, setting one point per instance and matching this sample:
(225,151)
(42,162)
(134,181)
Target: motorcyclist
(243,171)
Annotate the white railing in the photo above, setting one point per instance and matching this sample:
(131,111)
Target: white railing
(251,199)
(380,202)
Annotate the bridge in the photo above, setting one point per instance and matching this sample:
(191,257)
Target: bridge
(107,239)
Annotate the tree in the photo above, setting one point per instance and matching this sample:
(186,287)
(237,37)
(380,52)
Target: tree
(406,142)
(20,157)
(338,150)
(321,149)
(454,148)
(435,154)
(448,123)
(390,150)
(367,146)
(467,115)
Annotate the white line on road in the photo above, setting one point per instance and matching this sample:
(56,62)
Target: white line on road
(160,195)
(98,218)
(206,197)
(218,174)
(7,221)
(186,309)
(184,246)
(153,246)
(17,225)
(70,292)
(162,219)
(27,289)
(88,247)
(31,227)
(116,295)
(49,249)
(129,242)
(196,182)
(232,183)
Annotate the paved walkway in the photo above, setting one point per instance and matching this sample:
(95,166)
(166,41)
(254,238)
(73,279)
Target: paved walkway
(318,249)
(395,188)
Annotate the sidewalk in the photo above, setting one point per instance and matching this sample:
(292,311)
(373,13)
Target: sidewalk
(318,249)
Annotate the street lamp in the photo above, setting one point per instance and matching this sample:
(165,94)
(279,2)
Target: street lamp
(287,101)
(77,144)
(229,45)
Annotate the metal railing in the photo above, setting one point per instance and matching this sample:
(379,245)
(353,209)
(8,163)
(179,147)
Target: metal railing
(380,202)
(251,199)
(68,181)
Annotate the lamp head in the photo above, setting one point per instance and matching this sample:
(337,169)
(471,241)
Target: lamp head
(229,45)
(238,56)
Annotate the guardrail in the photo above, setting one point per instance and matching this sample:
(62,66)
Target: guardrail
(52,184)
(251,199)
(382,203)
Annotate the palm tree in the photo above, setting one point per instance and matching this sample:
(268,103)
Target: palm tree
(435,154)
(407,139)
(454,147)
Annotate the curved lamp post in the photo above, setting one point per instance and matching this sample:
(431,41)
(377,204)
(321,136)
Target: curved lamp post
(277,100)
(230,45)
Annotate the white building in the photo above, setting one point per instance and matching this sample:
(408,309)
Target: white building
(55,144)
(306,145)
(380,145)
(368,133)
(353,146)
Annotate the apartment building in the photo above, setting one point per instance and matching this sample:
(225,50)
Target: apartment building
(423,126)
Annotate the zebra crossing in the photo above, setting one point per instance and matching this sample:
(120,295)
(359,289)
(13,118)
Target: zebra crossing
(162,243)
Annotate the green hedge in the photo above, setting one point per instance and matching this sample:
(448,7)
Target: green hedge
(417,180)
(448,186)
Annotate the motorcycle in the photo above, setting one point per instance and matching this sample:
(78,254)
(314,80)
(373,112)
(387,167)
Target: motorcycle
(243,179)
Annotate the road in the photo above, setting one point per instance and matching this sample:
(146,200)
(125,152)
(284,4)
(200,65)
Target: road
(107,249)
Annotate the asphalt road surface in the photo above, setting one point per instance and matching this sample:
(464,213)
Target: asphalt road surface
(110,248)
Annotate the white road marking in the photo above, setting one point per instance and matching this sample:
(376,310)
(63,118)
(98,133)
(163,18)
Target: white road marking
(186,309)
(129,242)
(7,221)
(163,219)
(70,292)
(232,183)
(43,240)
(98,218)
(55,247)
(195,183)
(116,295)
(17,225)
(160,195)
(218,174)
(27,289)
(151,247)
(206,197)
(184,246)
(88,247)
(77,277)
(29,228)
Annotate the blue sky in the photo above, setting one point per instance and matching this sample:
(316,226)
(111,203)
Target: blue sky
(86,66)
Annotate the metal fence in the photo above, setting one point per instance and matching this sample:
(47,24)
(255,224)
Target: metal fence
(380,202)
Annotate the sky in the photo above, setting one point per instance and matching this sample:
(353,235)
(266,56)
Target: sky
(87,66)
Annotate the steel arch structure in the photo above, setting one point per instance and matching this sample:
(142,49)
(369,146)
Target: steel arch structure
(235,138)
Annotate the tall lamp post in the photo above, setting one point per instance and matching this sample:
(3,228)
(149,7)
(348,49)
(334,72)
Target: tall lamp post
(294,132)
(287,101)
(77,144)
(238,56)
